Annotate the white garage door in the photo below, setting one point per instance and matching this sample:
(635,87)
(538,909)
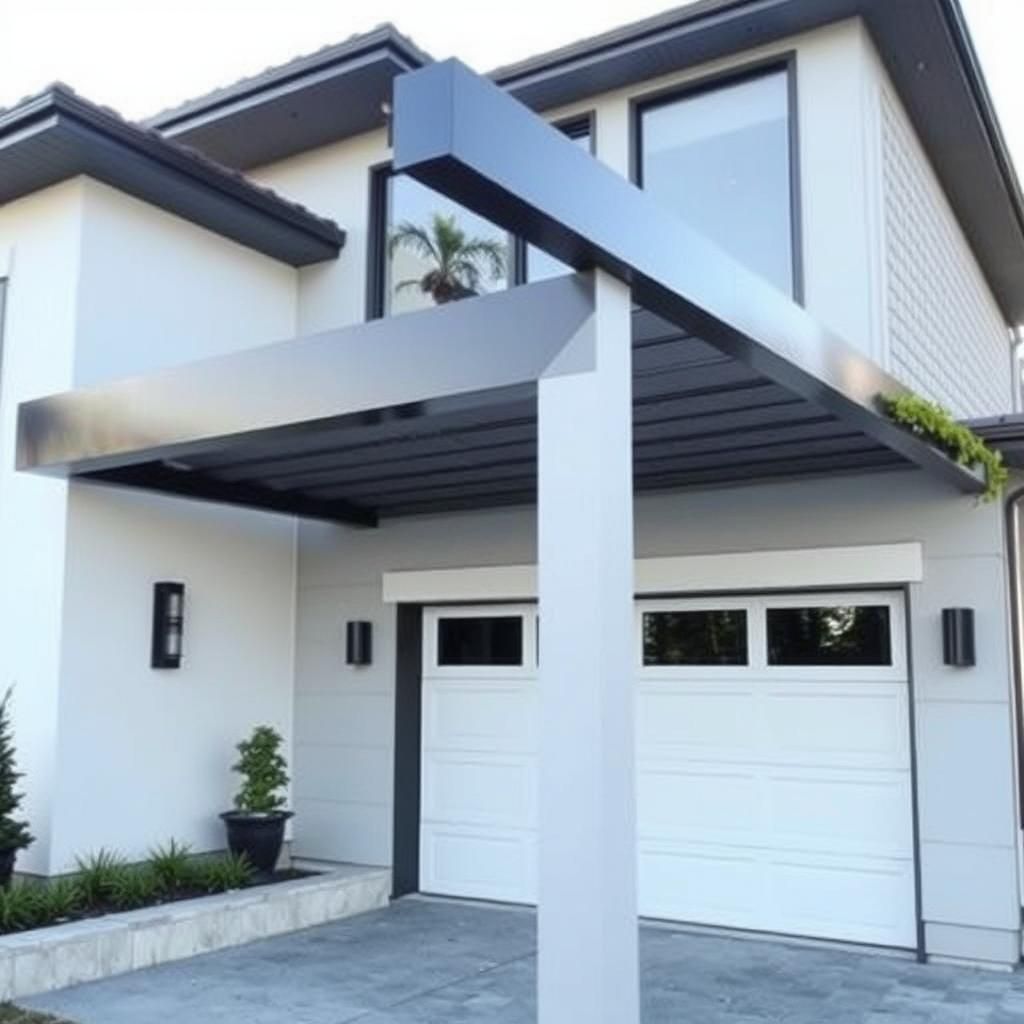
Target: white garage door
(774,788)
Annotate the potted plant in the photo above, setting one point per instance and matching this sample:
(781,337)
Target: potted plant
(14,834)
(256,825)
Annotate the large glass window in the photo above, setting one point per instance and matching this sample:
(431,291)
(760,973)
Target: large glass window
(829,635)
(705,637)
(436,251)
(720,158)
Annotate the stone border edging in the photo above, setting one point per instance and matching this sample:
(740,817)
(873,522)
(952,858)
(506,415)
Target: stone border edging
(46,959)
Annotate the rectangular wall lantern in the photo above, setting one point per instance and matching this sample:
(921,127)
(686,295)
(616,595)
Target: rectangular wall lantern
(168,624)
(358,643)
(958,637)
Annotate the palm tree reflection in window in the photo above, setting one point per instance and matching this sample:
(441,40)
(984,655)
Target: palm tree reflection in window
(456,265)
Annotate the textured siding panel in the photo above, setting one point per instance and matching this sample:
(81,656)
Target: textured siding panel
(947,339)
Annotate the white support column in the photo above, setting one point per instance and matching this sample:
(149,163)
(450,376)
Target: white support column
(587,928)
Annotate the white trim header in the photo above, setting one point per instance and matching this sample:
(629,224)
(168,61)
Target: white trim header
(794,569)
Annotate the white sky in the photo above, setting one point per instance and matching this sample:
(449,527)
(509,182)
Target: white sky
(139,56)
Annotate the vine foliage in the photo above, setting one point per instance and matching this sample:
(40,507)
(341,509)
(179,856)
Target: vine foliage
(933,423)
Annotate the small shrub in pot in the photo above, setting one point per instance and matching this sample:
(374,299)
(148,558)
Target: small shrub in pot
(256,825)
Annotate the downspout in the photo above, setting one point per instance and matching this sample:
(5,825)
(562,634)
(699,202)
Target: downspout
(1013,552)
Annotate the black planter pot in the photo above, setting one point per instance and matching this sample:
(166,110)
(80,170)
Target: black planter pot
(258,836)
(6,867)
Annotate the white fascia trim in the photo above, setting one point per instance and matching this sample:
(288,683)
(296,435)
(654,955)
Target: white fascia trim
(794,569)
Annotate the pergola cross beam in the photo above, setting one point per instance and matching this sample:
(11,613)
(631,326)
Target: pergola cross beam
(458,133)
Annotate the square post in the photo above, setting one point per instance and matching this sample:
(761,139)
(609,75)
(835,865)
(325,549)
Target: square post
(587,918)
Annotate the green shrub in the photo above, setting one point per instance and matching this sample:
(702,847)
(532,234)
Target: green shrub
(21,907)
(227,871)
(132,886)
(263,770)
(173,866)
(96,875)
(14,833)
(60,899)
(934,424)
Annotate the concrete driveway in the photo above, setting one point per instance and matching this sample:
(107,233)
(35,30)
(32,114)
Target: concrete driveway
(430,961)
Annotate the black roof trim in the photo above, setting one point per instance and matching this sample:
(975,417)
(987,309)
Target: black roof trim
(343,89)
(384,36)
(57,135)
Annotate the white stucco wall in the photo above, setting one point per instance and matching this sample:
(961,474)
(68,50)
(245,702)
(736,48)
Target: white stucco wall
(101,286)
(40,239)
(156,290)
(145,754)
(154,747)
(344,716)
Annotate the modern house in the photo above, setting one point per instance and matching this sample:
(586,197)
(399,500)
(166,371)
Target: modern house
(666,614)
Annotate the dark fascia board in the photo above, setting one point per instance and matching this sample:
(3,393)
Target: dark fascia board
(58,135)
(335,93)
(927,50)
(458,133)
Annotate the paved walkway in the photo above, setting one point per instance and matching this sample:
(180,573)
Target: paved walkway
(425,962)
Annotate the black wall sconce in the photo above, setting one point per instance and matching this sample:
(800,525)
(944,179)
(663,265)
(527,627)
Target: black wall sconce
(358,643)
(168,624)
(958,637)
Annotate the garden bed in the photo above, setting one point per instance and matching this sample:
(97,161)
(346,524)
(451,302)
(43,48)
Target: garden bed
(45,959)
(105,884)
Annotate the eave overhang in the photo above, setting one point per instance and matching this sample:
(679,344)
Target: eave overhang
(332,94)
(58,135)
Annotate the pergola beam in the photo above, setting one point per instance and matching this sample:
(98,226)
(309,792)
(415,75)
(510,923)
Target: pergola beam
(461,356)
(458,133)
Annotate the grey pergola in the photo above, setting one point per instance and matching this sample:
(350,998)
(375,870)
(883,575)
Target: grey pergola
(560,391)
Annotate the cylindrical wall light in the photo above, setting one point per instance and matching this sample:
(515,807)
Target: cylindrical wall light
(168,624)
(958,637)
(358,643)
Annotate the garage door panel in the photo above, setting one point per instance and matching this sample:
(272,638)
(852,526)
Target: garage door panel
(680,803)
(481,790)
(853,899)
(831,723)
(476,715)
(480,864)
(699,885)
(680,716)
(854,812)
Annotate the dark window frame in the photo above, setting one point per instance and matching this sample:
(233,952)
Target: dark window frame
(784,62)
(575,127)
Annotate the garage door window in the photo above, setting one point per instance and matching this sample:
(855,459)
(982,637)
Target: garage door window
(480,640)
(704,637)
(829,635)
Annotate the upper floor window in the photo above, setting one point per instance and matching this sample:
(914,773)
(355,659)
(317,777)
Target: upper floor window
(436,251)
(722,158)
(431,250)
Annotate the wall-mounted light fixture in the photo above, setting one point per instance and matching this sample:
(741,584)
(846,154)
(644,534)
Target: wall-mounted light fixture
(958,637)
(358,643)
(168,624)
